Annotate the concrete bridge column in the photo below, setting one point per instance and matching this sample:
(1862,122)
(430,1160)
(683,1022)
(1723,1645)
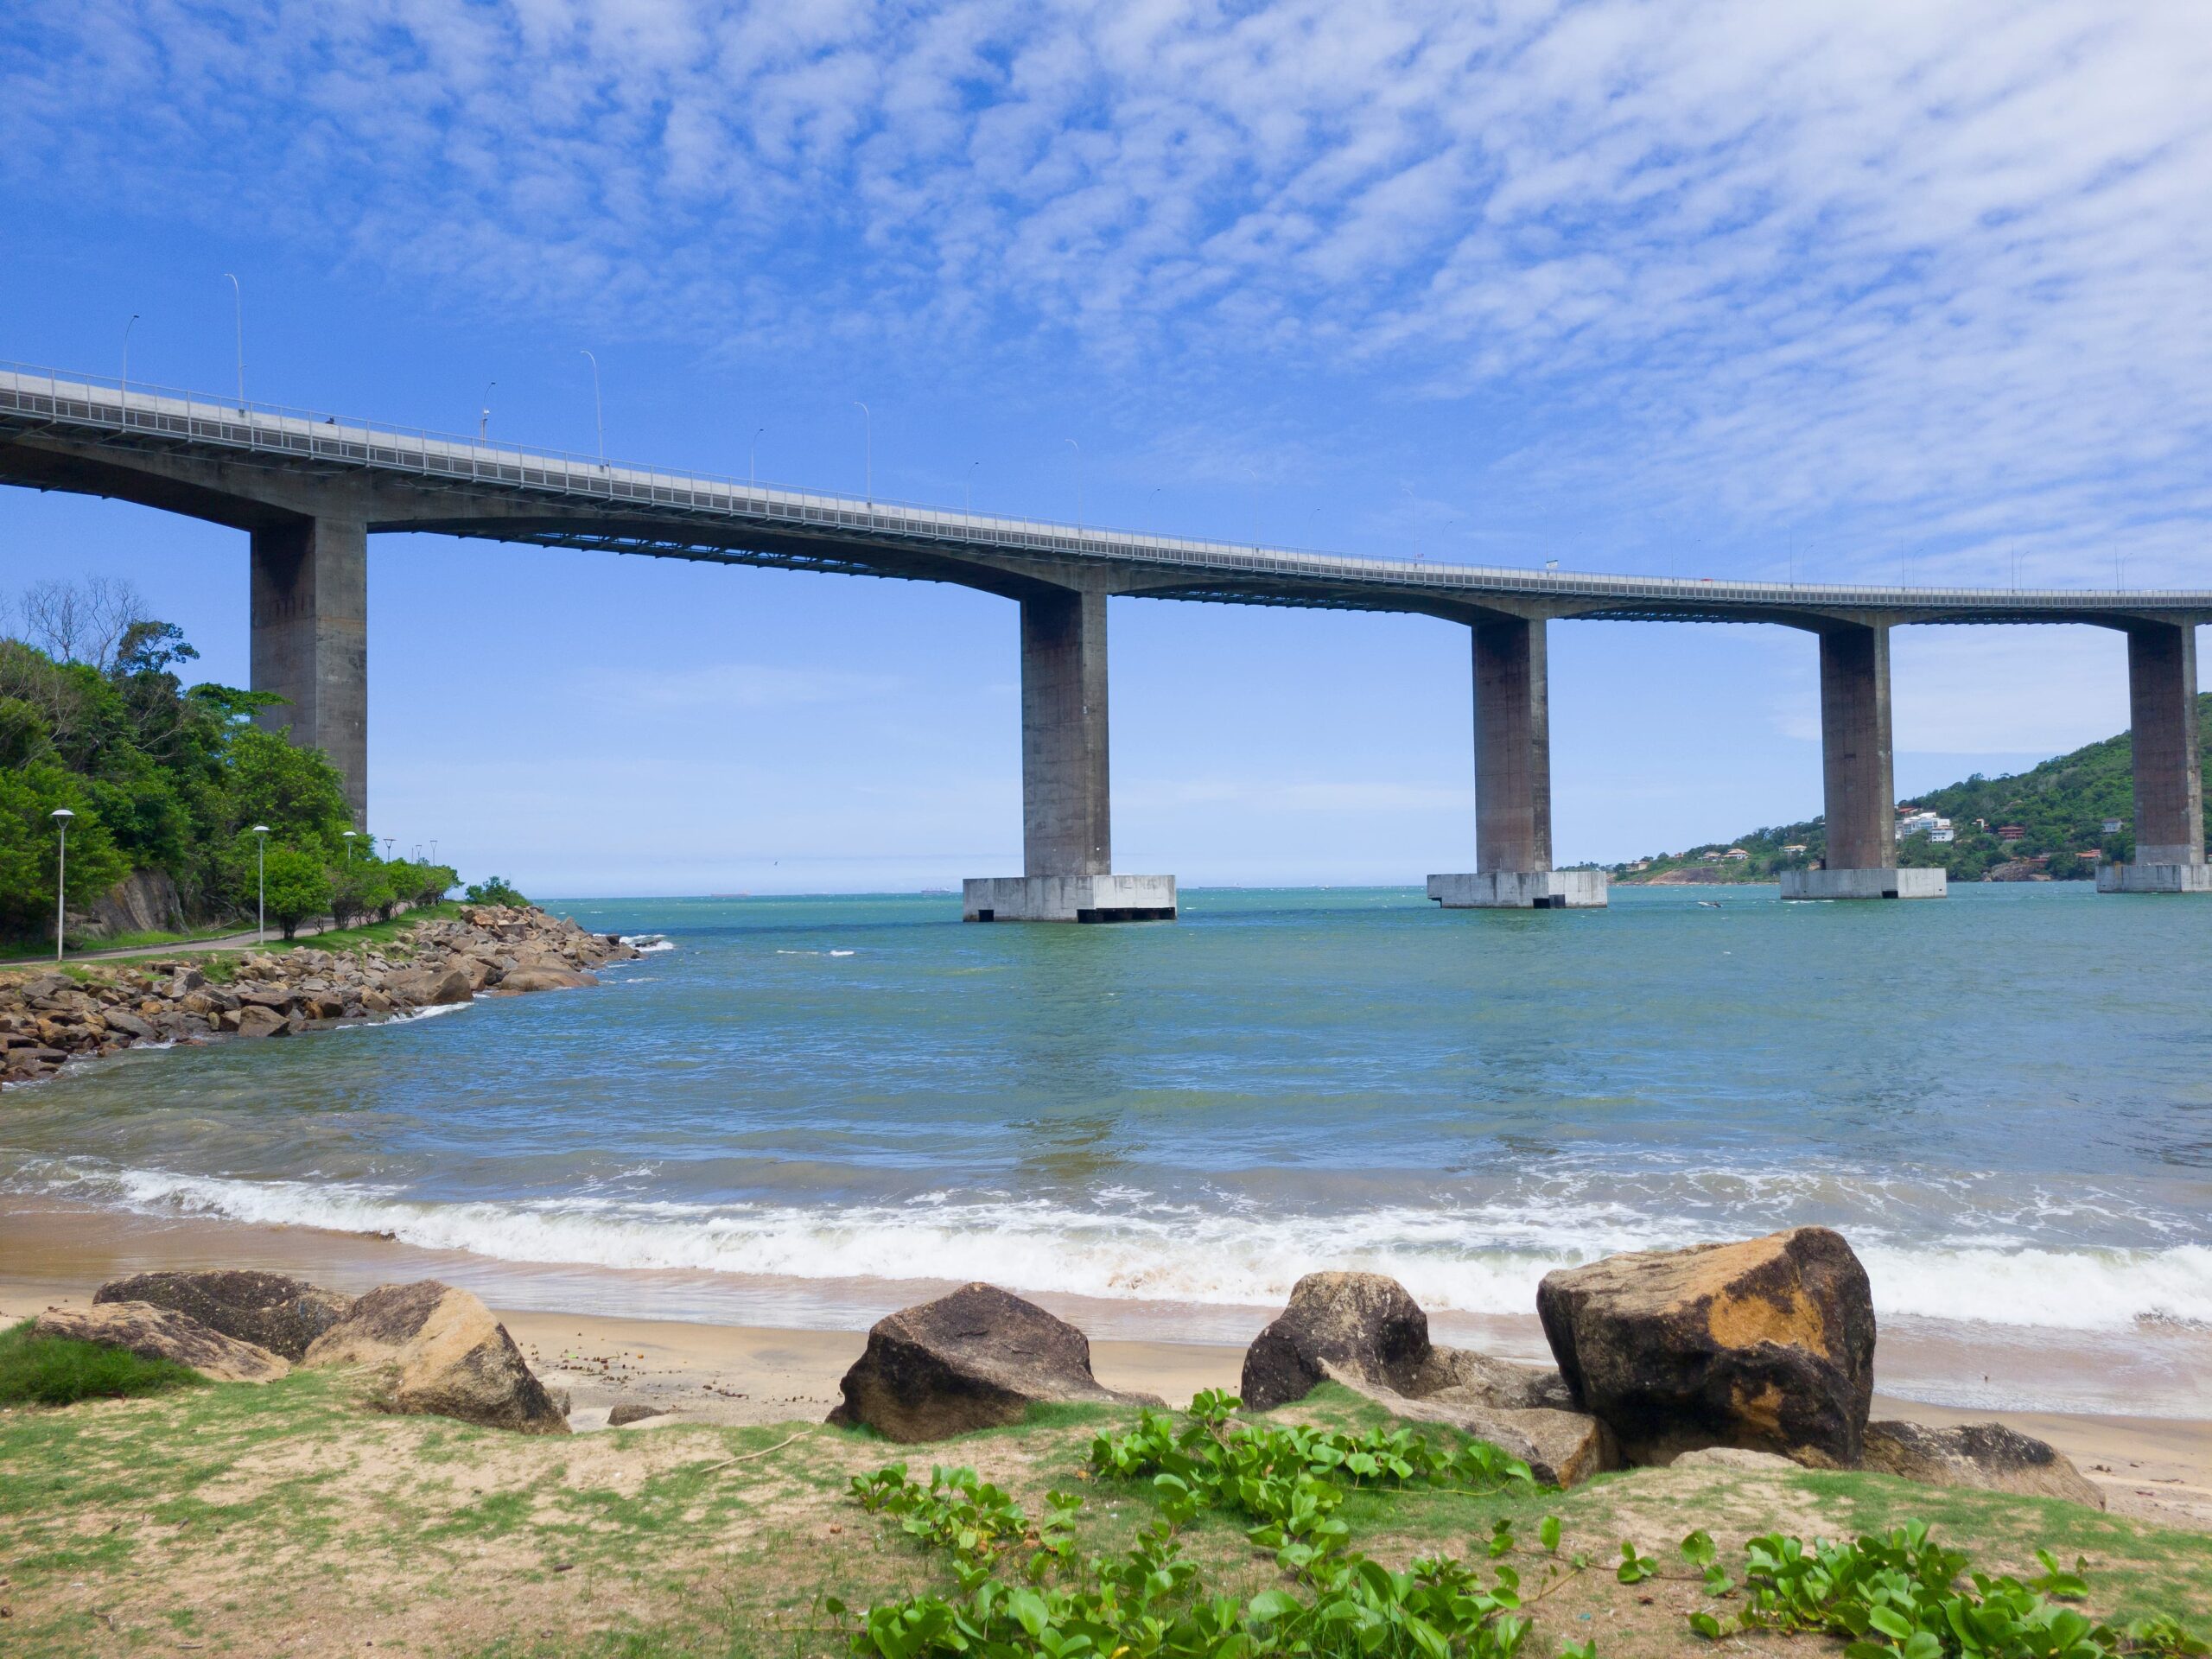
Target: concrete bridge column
(1513,783)
(2168,765)
(1067,841)
(310,611)
(1859,777)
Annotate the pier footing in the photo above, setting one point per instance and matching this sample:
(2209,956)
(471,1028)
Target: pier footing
(2154,877)
(1522,890)
(1068,898)
(1864,884)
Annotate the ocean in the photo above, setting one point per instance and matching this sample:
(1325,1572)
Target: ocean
(808,1110)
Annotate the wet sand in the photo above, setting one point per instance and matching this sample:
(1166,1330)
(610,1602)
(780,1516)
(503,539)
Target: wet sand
(729,1365)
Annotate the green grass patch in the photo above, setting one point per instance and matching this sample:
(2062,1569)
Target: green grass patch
(37,1370)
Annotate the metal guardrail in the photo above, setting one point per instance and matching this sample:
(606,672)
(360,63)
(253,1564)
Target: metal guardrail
(94,405)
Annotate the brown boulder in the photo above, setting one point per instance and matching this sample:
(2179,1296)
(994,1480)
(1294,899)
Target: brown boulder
(443,1355)
(1987,1455)
(435,986)
(547,979)
(154,1332)
(253,1020)
(1362,1325)
(1766,1343)
(977,1358)
(267,1309)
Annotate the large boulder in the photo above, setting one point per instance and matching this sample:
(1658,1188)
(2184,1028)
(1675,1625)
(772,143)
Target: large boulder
(546,979)
(432,988)
(1362,1325)
(154,1332)
(1987,1455)
(442,1354)
(1766,1343)
(977,1358)
(267,1309)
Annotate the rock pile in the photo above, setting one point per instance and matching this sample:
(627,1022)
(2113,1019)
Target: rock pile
(48,1019)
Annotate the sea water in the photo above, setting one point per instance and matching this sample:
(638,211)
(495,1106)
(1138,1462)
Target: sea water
(801,1106)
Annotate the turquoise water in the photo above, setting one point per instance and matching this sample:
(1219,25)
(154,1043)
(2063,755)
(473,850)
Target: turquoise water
(2004,1098)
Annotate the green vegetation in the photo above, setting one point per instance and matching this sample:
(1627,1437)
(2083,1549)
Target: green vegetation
(497,891)
(2059,808)
(37,1370)
(162,778)
(249,1520)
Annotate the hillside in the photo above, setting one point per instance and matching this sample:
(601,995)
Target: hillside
(2061,807)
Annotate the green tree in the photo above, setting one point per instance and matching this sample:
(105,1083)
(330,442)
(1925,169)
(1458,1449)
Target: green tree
(493,891)
(298,886)
(30,847)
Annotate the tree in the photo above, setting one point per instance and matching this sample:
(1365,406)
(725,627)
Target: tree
(30,847)
(81,621)
(296,792)
(493,891)
(297,888)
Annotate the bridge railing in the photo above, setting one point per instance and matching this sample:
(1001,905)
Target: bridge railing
(149,413)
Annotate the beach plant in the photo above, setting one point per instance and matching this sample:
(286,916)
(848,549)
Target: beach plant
(36,1370)
(1900,1596)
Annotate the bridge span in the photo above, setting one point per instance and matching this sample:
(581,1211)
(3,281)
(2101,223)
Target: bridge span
(309,488)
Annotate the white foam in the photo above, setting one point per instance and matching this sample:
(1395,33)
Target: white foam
(646,943)
(413,1014)
(1214,1253)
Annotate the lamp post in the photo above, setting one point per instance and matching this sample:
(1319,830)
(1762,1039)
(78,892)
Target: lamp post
(598,408)
(238,300)
(261,884)
(350,835)
(968,488)
(123,386)
(868,439)
(61,815)
(753,454)
(484,415)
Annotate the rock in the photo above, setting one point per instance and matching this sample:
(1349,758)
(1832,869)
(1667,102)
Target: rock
(1561,1448)
(547,979)
(253,1020)
(154,1332)
(1987,1455)
(435,987)
(1766,1343)
(267,1309)
(1362,1324)
(129,1025)
(1731,1457)
(977,1358)
(631,1411)
(1460,1373)
(444,1355)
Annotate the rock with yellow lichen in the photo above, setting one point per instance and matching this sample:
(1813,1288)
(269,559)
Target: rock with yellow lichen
(1766,1343)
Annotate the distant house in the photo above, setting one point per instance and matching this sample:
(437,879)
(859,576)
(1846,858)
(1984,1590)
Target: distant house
(1943,832)
(2113,826)
(1641,864)
(1735,853)
(2093,854)
(2010,832)
(1796,849)
(1713,857)
(1920,823)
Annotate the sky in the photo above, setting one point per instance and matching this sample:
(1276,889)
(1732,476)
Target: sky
(1865,291)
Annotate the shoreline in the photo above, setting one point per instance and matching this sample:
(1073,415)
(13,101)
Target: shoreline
(733,1354)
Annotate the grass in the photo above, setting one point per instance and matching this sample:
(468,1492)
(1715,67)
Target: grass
(37,1370)
(248,1518)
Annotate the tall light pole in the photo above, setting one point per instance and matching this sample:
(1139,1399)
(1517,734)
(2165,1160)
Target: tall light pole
(350,835)
(61,816)
(484,415)
(238,301)
(388,840)
(1078,447)
(753,454)
(261,884)
(598,408)
(123,386)
(968,488)
(867,438)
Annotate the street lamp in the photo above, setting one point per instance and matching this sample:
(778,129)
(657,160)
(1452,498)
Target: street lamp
(238,298)
(753,454)
(261,884)
(123,387)
(350,835)
(388,840)
(867,436)
(484,415)
(598,408)
(61,815)
(968,488)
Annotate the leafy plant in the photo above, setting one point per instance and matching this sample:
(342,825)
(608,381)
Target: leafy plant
(493,891)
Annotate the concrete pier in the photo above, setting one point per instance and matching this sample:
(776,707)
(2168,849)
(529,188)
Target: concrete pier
(310,642)
(1066,790)
(1858,776)
(2168,765)
(1513,783)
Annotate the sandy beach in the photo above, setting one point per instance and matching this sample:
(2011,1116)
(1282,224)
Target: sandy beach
(701,1369)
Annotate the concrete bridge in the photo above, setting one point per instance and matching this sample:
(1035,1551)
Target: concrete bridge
(309,489)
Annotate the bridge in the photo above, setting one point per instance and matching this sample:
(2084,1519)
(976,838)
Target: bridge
(309,488)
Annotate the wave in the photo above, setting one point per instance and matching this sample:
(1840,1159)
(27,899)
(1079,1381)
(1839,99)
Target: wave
(1450,1259)
(646,943)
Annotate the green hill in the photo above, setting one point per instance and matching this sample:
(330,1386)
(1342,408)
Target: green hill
(2061,807)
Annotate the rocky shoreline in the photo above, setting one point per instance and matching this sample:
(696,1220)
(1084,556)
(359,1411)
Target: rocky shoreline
(49,1018)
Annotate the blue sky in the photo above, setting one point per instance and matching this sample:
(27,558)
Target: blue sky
(1712,289)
